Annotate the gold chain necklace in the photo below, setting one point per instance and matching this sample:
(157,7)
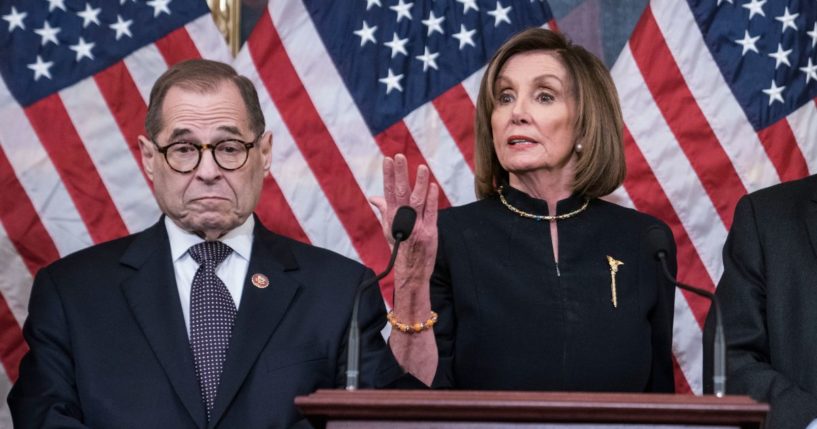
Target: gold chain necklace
(540,217)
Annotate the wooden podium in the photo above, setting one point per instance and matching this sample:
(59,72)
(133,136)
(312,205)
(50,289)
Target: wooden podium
(440,409)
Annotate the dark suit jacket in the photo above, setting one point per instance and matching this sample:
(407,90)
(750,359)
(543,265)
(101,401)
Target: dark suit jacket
(511,319)
(768,296)
(109,346)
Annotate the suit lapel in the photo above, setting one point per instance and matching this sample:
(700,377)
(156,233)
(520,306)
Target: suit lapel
(154,299)
(259,314)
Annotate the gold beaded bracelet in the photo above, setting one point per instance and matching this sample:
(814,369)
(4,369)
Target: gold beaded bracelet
(414,328)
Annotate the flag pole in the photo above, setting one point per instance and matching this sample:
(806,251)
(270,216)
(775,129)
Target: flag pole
(227,16)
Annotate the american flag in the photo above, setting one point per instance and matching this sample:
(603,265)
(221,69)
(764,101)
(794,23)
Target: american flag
(714,107)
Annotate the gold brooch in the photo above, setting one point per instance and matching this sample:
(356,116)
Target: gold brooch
(614,264)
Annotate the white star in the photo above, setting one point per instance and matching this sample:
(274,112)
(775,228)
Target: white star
(397,45)
(48,34)
(787,19)
(121,27)
(813,35)
(15,19)
(121,2)
(781,56)
(392,82)
(468,5)
(748,43)
(433,23)
(159,6)
(83,49)
(89,15)
(755,8)
(810,70)
(774,93)
(366,34)
(500,14)
(721,1)
(56,4)
(465,36)
(403,10)
(370,3)
(41,68)
(429,59)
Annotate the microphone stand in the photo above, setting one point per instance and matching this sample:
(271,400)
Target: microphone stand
(402,226)
(719,348)
(353,352)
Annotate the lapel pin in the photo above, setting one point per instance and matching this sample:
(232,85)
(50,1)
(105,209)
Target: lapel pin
(260,281)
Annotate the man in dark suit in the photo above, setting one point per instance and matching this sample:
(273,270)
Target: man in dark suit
(205,319)
(768,296)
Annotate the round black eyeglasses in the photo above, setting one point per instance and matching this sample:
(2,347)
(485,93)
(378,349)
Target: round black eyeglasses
(184,156)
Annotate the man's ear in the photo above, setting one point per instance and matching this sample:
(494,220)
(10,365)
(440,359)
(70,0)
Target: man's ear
(265,146)
(149,155)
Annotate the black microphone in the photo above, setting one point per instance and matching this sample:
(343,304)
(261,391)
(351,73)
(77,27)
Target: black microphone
(658,241)
(401,228)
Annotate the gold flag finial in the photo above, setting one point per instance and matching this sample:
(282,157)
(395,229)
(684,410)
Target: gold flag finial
(227,16)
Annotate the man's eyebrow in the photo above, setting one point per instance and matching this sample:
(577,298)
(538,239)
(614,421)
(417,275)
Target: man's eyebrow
(179,132)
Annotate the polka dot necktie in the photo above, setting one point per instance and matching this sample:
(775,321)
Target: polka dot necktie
(212,315)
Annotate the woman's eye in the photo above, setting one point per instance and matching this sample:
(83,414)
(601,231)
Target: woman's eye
(544,97)
(504,98)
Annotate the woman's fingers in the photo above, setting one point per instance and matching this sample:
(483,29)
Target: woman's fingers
(388,184)
(402,188)
(432,201)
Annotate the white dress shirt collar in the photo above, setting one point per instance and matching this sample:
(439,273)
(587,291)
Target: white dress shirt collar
(239,239)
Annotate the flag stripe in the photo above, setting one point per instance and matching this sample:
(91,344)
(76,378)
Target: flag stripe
(397,139)
(299,187)
(313,139)
(177,46)
(116,84)
(713,95)
(681,385)
(22,223)
(60,139)
(210,44)
(648,196)
(688,123)
(457,113)
(471,84)
(803,122)
(12,345)
(684,192)
(328,94)
(275,213)
(15,283)
(687,347)
(781,146)
(442,154)
(97,129)
(145,66)
(39,178)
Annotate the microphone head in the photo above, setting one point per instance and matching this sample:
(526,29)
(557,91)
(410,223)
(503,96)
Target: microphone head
(657,242)
(403,223)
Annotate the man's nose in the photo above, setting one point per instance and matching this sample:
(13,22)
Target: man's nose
(208,169)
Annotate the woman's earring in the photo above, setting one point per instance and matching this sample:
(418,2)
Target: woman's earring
(578,148)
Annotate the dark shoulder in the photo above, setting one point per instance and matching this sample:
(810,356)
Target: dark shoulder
(93,258)
(470,212)
(784,195)
(307,255)
(625,215)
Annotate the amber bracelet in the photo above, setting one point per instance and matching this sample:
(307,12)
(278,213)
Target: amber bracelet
(414,328)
